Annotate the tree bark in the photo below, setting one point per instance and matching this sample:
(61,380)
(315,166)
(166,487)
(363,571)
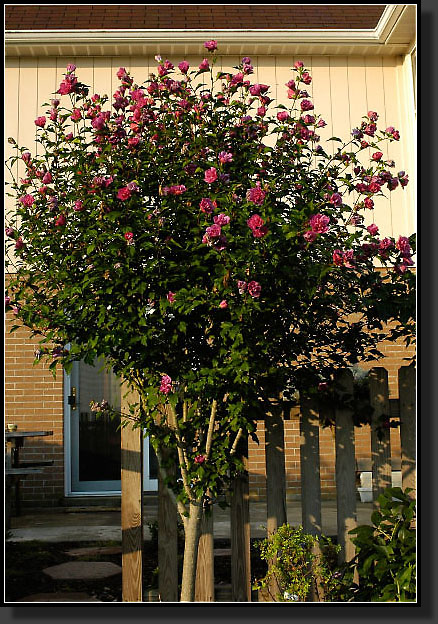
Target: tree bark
(191,543)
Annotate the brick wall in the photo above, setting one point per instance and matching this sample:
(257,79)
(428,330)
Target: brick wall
(34,401)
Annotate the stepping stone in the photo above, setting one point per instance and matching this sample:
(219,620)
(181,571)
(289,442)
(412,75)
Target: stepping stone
(59,597)
(90,551)
(83,570)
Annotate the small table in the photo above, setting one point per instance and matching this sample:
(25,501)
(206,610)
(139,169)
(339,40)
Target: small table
(16,469)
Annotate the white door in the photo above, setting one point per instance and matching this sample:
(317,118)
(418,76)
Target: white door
(92,441)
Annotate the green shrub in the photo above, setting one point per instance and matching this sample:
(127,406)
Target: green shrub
(294,565)
(386,552)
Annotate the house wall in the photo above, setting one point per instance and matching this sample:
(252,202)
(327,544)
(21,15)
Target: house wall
(344,88)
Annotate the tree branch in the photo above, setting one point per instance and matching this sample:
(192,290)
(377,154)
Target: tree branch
(211,428)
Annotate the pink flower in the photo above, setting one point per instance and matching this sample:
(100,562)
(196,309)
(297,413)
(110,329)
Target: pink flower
(319,223)
(129,237)
(373,115)
(79,205)
(306,78)
(368,203)
(211,45)
(47,178)
(336,199)
(27,200)
(343,258)
(256,195)
(306,105)
(166,384)
(177,189)
(223,304)
(377,156)
(76,114)
(206,205)
(60,221)
(124,193)
(40,122)
(9,231)
(7,300)
(298,64)
(170,296)
(258,89)
(133,141)
(70,68)
(261,111)
(214,231)
(241,286)
(69,136)
(338,257)
(19,244)
(204,66)
(373,229)
(403,246)
(221,219)
(199,459)
(26,156)
(255,221)
(121,73)
(225,157)
(282,115)
(184,67)
(98,122)
(310,236)
(68,85)
(254,289)
(210,175)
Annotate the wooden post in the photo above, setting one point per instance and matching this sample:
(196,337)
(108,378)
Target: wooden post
(406,384)
(310,467)
(380,445)
(345,467)
(204,590)
(167,542)
(240,534)
(132,511)
(275,471)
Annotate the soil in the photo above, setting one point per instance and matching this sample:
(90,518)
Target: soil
(25,562)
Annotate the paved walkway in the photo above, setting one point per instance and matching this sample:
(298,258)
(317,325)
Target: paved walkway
(82,525)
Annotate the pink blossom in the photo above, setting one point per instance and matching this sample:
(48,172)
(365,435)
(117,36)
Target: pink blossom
(319,223)
(385,245)
(133,141)
(69,136)
(68,85)
(184,67)
(373,115)
(255,222)
(27,200)
(377,155)
(76,114)
(47,178)
(298,64)
(310,236)
(282,115)
(261,111)
(221,219)
(60,221)
(26,156)
(211,45)
(9,231)
(214,231)
(225,157)
(19,244)
(166,384)
(70,68)
(241,286)
(306,78)
(124,193)
(204,65)
(368,203)
(206,205)
(121,72)
(374,187)
(129,237)
(403,246)
(79,205)
(306,105)
(373,229)
(199,459)
(7,300)
(223,304)
(254,289)
(336,199)
(370,129)
(258,89)
(256,195)
(210,175)
(343,258)
(177,189)
(40,122)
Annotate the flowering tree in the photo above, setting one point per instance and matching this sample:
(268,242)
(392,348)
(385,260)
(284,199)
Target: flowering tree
(209,269)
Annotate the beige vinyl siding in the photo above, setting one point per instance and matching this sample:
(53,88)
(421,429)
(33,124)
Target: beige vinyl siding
(344,88)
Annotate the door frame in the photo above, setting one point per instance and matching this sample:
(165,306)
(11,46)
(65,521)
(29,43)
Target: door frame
(71,437)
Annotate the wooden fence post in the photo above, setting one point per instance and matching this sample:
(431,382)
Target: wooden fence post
(310,467)
(167,541)
(275,470)
(345,467)
(311,484)
(204,588)
(132,507)
(380,445)
(240,534)
(406,384)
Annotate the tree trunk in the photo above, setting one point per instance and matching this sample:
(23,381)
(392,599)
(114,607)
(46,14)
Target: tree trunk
(191,543)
